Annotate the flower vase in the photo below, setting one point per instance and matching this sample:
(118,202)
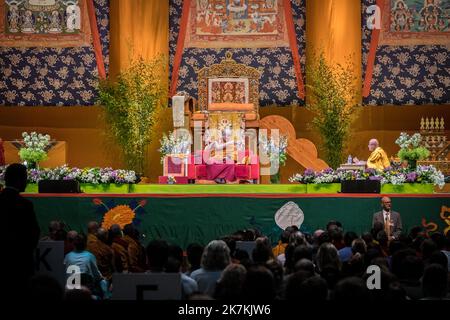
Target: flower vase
(275,178)
(32,165)
(412,165)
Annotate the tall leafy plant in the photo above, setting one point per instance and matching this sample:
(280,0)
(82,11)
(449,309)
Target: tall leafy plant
(132,106)
(332,100)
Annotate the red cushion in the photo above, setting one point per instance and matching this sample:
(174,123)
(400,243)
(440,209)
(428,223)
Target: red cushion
(200,171)
(242,171)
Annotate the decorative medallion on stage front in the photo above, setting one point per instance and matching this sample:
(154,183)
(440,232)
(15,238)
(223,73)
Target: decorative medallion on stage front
(412,22)
(44,23)
(237,24)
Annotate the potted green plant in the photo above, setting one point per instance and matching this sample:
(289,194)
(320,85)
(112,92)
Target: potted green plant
(411,149)
(332,100)
(132,106)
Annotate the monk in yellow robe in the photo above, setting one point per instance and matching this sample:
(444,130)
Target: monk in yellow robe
(378,159)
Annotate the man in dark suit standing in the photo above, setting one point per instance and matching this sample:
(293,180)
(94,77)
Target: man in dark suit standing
(391,220)
(20,229)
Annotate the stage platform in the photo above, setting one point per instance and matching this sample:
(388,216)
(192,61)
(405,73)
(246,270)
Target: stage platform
(183,214)
(218,188)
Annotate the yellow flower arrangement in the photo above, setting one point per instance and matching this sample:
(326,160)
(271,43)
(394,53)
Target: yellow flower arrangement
(121,215)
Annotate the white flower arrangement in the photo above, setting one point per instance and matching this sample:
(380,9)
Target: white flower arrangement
(174,143)
(430,174)
(275,149)
(405,141)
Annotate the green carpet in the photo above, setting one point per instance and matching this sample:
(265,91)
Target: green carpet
(218,189)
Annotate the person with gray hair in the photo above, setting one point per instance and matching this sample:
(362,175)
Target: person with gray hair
(215,258)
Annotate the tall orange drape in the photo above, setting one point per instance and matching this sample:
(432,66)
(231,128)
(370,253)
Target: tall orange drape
(334,26)
(138,27)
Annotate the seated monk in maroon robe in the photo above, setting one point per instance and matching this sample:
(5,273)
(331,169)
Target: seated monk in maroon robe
(221,158)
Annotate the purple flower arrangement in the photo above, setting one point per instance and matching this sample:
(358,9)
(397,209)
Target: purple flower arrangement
(86,175)
(397,176)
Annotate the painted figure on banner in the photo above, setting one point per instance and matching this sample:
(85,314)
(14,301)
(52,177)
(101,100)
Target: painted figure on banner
(73,18)
(419,16)
(402,18)
(28,23)
(55,23)
(219,23)
(32,18)
(13,19)
(432,17)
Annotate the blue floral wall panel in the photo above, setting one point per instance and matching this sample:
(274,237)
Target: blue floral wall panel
(45,76)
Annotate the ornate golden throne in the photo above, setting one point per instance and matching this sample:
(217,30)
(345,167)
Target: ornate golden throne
(227,88)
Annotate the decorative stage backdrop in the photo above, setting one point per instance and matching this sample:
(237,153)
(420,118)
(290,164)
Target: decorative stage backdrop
(47,52)
(412,58)
(258,33)
(185,219)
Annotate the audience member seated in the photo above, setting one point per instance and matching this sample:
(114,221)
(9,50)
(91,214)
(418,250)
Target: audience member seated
(215,258)
(278,275)
(173,265)
(136,252)
(230,284)
(305,286)
(337,237)
(328,264)
(56,231)
(346,252)
(68,243)
(120,248)
(356,266)
(259,285)
(435,282)
(409,271)
(157,255)
(194,256)
(262,251)
(443,244)
(87,264)
(282,244)
(92,229)
(103,253)
(351,289)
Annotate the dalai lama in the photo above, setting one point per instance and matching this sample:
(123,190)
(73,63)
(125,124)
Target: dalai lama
(378,158)
(222,156)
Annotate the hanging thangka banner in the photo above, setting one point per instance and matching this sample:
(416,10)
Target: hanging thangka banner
(44,23)
(236,24)
(405,60)
(413,22)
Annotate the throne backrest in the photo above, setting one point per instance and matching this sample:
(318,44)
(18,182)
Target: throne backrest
(228,86)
